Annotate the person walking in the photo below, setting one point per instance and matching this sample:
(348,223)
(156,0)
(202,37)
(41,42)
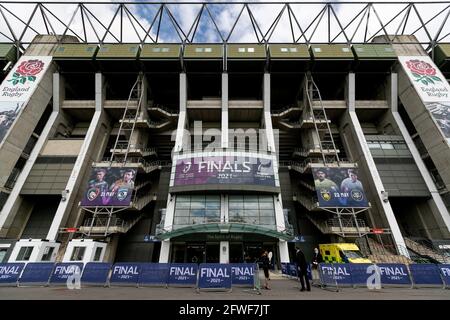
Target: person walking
(316,260)
(265,265)
(302,269)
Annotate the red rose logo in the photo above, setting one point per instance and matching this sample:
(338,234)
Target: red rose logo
(27,70)
(423,71)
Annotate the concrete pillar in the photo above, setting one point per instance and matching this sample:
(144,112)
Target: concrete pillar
(224,110)
(14,201)
(284,252)
(436,204)
(165,250)
(182,117)
(279,214)
(224,252)
(82,162)
(267,116)
(372,169)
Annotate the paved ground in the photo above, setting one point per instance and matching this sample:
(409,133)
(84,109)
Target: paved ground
(282,289)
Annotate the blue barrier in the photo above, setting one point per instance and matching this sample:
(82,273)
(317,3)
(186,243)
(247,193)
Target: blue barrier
(10,273)
(360,273)
(154,274)
(425,275)
(394,274)
(292,270)
(445,272)
(95,273)
(125,273)
(214,276)
(242,274)
(36,273)
(62,272)
(335,274)
(183,274)
(284,268)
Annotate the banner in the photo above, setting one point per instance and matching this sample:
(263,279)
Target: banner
(184,274)
(239,170)
(425,274)
(96,273)
(125,273)
(432,88)
(62,271)
(335,273)
(360,273)
(284,268)
(214,275)
(109,187)
(154,274)
(10,273)
(36,273)
(18,87)
(292,269)
(394,274)
(445,272)
(339,187)
(242,274)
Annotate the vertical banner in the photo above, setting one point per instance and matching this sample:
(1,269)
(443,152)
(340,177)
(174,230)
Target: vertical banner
(18,87)
(432,88)
(243,274)
(183,274)
(214,276)
(10,273)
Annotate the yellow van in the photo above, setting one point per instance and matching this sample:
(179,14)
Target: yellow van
(342,253)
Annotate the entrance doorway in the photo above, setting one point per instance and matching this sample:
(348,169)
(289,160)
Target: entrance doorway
(212,253)
(195,253)
(236,253)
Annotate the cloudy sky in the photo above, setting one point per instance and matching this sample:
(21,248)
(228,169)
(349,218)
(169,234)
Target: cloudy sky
(302,17)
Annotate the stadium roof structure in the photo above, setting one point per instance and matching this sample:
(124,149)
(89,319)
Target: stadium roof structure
(226,22)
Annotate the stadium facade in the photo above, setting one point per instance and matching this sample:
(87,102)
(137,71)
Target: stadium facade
(213,152)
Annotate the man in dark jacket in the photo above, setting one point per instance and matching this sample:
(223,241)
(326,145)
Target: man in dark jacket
(302,269)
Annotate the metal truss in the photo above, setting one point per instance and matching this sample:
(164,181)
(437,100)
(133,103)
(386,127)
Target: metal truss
(226,22)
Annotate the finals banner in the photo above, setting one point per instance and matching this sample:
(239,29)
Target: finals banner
(432,87)
(18,87)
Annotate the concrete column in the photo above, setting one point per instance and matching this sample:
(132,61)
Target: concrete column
(81,164)
(284,252)
(14,200)
(436,204)
(224,252)
(224,110)
(279,214)
(372,169)
(267,117)
(182,117)
(165,250)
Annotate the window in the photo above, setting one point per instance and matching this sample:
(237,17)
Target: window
(98,253)
(90,49)
(198,49)
(48,253)
(241,50)
(2,254)
(317,50)
(248,209)
(373,145)
(251,50)
(196,210)
(24,253)
(345,49)
(400,146)
(165,49)
(78,253)
(284,49)
(61,49)
(156,49)
(292,49)
(208,50)
(386,146)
